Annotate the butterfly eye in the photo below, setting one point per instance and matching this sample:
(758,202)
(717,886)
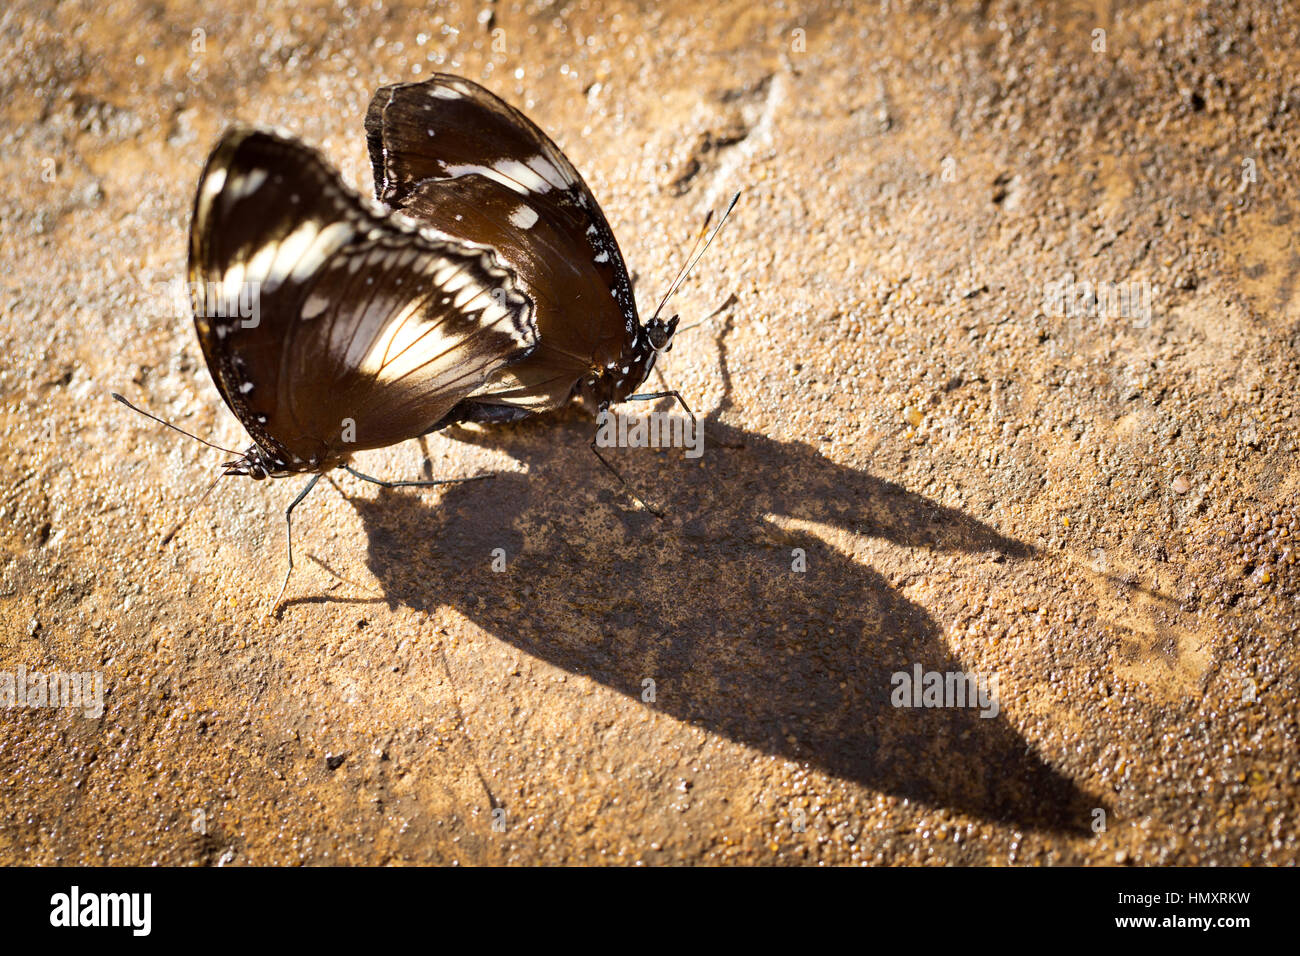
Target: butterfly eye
(660,333)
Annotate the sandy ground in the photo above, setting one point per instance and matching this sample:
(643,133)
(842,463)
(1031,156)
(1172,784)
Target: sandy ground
(1096,509)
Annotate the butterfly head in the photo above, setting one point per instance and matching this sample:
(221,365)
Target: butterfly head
(254,463)
(257,463)
(660,334)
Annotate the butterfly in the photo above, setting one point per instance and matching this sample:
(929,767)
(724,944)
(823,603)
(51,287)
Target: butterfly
(485,286)
(453,155)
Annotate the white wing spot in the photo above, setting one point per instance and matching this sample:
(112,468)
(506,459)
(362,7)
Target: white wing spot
(314,306)
(526,176)
(456,282)
(230,286)
(288,254)
(468,169)
(327,242)
(493,314)
(212,186)
(467,295)
(524,217)
(546,169)
(247,185)
(259,264)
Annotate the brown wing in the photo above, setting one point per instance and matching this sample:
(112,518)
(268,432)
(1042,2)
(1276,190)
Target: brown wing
(330,327)
(461,160)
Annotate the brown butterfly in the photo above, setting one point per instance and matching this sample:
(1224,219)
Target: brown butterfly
(488,288)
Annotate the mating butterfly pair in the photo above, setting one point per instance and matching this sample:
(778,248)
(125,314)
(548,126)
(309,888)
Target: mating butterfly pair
(494,290)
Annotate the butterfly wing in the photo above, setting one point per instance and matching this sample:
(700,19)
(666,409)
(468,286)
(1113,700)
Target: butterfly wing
(460,159)
(328,325)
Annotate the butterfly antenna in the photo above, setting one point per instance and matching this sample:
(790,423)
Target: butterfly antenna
(693,258)
(175,428)
(672,287)
(180,524)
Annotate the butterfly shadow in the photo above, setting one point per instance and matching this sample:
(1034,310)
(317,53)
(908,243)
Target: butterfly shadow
(708,606)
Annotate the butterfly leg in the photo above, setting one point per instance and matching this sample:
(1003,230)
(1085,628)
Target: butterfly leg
(623,481)
(411,484)
(288,533)
(651,396)
(646,397)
